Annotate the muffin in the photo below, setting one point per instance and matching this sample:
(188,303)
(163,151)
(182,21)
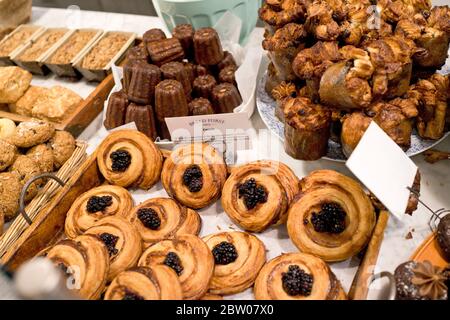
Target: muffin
(207,46)
(165,51)
(203,86)
(140,80)
(117,108)
(225,98)
(177,71)
(144,119)
(200,106)
(185,34)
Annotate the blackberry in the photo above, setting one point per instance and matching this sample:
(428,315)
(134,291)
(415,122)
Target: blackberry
(121,160)
(224,253)
(97,204)
(128,295)
(173,260)
(193,178)
(297,282)
(149,218)
(330,219)
(110,242)
(252,193)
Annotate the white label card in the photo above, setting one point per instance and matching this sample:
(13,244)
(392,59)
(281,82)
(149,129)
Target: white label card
(384,168)
(228,132)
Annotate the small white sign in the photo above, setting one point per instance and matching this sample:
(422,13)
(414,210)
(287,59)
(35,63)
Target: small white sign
(228,132)
(384,168)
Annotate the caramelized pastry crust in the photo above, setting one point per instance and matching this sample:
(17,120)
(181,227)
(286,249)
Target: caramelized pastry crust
(208,49)
(354,125)
(164,51)
(116,111)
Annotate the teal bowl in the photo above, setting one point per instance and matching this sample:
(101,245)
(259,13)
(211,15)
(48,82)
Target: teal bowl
(206,13)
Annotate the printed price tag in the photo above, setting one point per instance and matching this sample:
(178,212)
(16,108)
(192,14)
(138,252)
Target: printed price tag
(382,166)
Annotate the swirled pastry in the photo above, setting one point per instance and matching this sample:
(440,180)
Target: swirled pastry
(238,258)
(191,259)
(194,175)
(122,240)
(297,276)
(142,283)
(257,195)
(332,218)
(129,158)
(163,218)
(94,205)
(85,260)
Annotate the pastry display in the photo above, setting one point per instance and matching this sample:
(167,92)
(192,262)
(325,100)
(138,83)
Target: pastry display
(73,46)
(122,240)
(165,72)
(86,260)
(94,205)
(14,82)
(297,276)
(332,217)
(331,54)
(258,194)
(238,258)
(129,158)
(104,50)
(189,257)
(307,129)
(443,236)
(160,219)
(41,45)
(194,175)
(420,281)
(145,283)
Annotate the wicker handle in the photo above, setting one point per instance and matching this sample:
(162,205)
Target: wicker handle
(25,189)
(390,277)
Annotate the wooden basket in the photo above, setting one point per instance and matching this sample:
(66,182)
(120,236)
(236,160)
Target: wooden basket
(19,227)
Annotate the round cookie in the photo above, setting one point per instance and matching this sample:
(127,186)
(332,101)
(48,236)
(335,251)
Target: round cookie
(27,168)
(43,156)
(10,187)
(63,145)
(29,134)
(8,153)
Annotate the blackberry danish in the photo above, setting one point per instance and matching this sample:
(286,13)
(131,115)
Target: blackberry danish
(85,261)
(258,194)
(142,283)
(122,240)
(128,158)
(297,276)
(189,257)
(163,218)
(332,218)
(94,205)
(194,175)
(238,257)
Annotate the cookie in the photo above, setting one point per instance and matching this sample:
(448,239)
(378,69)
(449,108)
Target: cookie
(10,187)
(29,134)
(8,153)
(27,168)
(63,145)
(43,156)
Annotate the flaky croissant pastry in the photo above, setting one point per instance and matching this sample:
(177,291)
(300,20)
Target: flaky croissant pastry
(279,13)
(257,195)
(94,205)
(332,218)
(194,175)
(189,257)
(85,261)
(238,258)
(297,276)
(145,283)
(128,158)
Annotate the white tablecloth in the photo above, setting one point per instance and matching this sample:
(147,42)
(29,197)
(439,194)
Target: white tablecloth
(395,249)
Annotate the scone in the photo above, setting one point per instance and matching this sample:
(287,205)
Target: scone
(10,187)
(42,154)
(56,105)
(7,128)
(27,168)
(14,81)
(24,106)
(29,134)
(8,153)
(63,145)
